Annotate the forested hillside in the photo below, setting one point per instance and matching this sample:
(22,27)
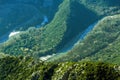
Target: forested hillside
(12,68)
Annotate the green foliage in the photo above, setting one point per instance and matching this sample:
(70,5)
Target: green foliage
(24,43)
(26,68)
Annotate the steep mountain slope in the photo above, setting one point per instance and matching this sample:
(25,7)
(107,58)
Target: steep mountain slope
(102,42)
(13,68)
(69,25)
(72,18)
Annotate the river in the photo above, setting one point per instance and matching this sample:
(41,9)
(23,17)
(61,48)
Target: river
(43,23)
(72,43)
(5,37)
(78,38)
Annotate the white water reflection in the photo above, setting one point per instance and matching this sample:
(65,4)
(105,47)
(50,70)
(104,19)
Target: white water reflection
(87,31)
(44,58)
(13,33)
(45,21)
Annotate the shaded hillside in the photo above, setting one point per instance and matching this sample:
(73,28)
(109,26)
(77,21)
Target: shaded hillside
(20,14)
(14,16)
(13,68)
(103,41)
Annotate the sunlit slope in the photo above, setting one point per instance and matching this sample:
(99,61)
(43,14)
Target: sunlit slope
(26,68)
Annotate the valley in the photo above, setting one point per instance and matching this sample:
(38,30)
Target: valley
(77,39)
